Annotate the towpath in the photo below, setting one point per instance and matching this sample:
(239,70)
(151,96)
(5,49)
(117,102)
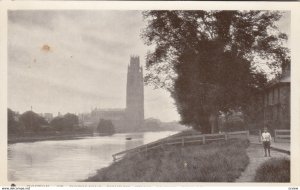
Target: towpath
(256,156)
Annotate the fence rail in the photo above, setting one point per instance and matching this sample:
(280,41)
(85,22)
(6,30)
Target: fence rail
(184,140)
(280,134)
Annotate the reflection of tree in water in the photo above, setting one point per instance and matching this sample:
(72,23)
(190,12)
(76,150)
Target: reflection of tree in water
(136,140)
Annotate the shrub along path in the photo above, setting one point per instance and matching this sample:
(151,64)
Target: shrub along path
(256,158)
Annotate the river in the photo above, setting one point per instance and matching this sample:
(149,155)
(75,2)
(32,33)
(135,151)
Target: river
(70,160)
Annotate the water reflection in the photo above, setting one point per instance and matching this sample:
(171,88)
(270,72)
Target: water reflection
(70,160)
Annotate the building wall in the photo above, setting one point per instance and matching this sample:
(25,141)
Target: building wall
(277,106)
(277,101)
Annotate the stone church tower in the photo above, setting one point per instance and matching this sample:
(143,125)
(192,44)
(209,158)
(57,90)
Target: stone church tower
(135,95)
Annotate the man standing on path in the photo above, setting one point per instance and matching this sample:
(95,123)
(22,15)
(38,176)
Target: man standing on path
(266,139)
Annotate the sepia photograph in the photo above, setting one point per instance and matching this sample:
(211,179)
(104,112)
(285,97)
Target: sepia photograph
(149,96)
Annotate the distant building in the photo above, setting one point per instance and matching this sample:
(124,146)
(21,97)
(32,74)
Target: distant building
(117,116)
(276,100)
(132,117)
(48,116)
(135,94)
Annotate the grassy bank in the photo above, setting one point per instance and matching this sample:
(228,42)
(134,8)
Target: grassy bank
(221,161)
(274,170)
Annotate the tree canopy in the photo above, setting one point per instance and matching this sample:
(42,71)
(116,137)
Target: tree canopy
(32,121)
(13,124)
(209,60)
(105,126)
(66,123)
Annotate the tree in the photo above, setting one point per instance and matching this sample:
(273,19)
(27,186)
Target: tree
(152,124)
(66,123)
(209,60)
(32,121)
(13,124)
(57,123)
(71,120)
(105,126)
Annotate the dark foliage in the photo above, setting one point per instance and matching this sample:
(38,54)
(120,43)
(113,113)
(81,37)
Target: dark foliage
(234,126)
(66,123)
(206,58)
(13,124)
(106,126)
(32,121)
(274,170)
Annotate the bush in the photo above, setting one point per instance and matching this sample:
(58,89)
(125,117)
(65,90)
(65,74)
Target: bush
(274,170)
(234,126)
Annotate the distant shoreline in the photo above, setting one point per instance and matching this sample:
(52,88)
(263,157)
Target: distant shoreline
(13,140)
(35,138)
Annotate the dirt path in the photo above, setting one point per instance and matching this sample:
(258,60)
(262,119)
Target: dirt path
(256,158)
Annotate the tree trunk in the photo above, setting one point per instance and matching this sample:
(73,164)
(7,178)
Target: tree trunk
(204,126)
(213,120)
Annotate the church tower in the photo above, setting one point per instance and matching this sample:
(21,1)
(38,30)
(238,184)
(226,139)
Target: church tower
(135,94)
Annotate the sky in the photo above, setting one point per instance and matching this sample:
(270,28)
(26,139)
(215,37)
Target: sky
(72,61)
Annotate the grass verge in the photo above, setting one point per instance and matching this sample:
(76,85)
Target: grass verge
(221,161)
(274,170)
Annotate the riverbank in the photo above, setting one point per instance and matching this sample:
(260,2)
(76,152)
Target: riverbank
(64,136)
(221,161)
(34,138)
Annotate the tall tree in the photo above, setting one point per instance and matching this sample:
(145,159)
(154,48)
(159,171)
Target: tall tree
(57,123)
(32,121)
(66,123)
(208,59)
(71,120)
(13,124)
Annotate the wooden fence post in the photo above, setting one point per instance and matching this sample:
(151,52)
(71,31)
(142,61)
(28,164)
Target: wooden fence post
(182,141)
(203,138)
(226,136)
(259,135)
(247,134)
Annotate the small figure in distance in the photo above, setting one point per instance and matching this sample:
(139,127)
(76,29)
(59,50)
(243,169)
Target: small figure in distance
(266,139)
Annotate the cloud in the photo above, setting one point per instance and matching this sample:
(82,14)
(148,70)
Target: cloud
(70,61)
(32,19)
